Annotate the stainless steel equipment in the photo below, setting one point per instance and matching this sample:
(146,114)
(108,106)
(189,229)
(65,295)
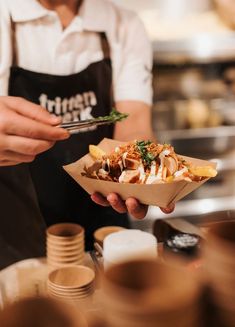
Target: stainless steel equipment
(203,48)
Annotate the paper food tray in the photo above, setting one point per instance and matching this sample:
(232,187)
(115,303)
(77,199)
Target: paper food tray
(151,194)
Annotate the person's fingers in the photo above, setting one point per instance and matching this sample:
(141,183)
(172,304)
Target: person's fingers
(100,199)
(136,209)
(23,145)
(31,110)
(117,203)
(4,163)
(23,126)
(17,157)
(169,209)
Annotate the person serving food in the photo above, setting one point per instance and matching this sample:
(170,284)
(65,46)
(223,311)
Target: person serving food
(76,59)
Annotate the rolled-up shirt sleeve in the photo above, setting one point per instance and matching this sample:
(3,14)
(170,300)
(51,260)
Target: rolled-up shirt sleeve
(5,47)
(132,62)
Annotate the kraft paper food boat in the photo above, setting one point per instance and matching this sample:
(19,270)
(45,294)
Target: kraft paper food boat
(152,194)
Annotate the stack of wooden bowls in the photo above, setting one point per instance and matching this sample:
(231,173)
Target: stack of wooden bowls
(72,284)
(65,245)
(219,251)
(149,293)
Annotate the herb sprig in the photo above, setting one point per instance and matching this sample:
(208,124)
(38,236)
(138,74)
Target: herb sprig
(146,156)
(113,117)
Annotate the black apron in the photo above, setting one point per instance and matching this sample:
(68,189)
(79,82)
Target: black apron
(22,229)
(73,97)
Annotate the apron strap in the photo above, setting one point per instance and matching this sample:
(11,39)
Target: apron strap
(105,45)
(13,43)
(107,55)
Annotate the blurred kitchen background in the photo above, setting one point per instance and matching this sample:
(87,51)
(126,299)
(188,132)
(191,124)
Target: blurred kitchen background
(193,45)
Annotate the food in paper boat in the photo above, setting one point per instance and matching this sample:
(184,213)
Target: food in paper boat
(144,162)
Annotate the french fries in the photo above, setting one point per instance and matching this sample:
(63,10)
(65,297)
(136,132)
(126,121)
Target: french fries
(203,171)
(96,152)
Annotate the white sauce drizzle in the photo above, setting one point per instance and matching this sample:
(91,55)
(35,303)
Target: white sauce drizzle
(122,177)
(142,173)
(124,158)
(181,172)
(120,165)
(153,177)
(117,149)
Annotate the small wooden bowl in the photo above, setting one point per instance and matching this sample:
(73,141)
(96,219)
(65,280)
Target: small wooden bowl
(72,277)
(101,233)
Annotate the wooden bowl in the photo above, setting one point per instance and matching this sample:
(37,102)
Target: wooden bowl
(71,277)
(101,233)
(65,231)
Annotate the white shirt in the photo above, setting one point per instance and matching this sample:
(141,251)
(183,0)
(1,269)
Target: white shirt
(42,46)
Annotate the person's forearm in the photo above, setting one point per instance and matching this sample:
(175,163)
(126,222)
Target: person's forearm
(137,125)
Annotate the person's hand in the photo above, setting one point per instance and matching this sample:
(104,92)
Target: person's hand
(26,129)
(131,205)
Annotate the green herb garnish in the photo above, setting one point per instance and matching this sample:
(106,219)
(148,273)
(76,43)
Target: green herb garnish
(146,156)
(113,117)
